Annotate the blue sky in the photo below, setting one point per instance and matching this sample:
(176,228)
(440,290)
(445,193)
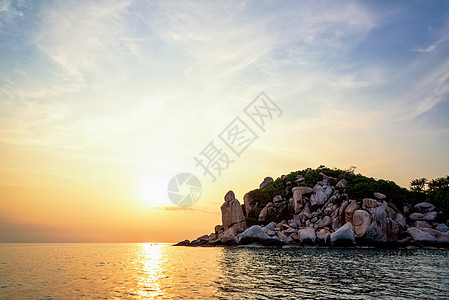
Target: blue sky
(122,93)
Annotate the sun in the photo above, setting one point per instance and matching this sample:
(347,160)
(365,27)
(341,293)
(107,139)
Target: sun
(153,192)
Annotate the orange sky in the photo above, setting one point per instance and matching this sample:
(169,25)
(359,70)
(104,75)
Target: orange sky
(101,104)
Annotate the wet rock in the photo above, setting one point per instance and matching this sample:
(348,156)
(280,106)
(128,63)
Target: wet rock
(307,236)
(267,181)
(344,236)
(424,207)
(416,217)
(379,196)
(420,235)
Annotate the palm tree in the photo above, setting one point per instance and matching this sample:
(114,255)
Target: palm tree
(418,185)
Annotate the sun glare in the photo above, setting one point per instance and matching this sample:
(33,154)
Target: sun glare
(154,192)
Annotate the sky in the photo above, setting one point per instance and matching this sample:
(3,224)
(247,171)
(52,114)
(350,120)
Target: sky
(102,103)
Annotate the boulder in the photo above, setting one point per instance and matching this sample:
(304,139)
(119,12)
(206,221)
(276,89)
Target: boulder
(281,235)
(277,200)
(379,196)
(290,230)
(362,222)
(422,224)
(343,207)
(430,216)
(306,213)
(218,228)
(342,184)
(267,181)
(255,234)
(232,217)
(270,226)
(326,221)
(228,240)
(250,204)
(298,192)
(266,211)
(300,179)
(368,203)
(318,197)
(323,235)
(183,243)
(441,237)
(416,217)
(424,207)
(229,196)
(420,235)
(349,211)
(400,220)
(442,227)
(307,236)
(344,236)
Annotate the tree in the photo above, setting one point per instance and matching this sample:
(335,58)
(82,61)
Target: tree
(418,185)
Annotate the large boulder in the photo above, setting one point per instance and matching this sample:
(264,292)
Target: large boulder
(323,235)
(362,223)
(368,203)
(424,207)
(349,211)
(326,221)
(344,236)
(250,204)
(229,196)
(266,211)
(298,202)
(267,181)
(420,236)
(255,234)
(307,236)
(232,216)
(342,184)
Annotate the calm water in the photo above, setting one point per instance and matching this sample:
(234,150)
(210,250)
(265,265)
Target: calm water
(155,271)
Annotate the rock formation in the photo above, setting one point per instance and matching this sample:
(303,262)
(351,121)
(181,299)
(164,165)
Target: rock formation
(325,215)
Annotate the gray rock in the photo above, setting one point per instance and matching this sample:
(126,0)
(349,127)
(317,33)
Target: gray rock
(342,184)
(271,226)
(424,207)
(422,224)
(281,235)
(318,197)
(307,236)
(266,211)
(326,221)
(255,234)
(290,230)
(420,235)
(300,179)
(399,218)
(227,240)
(379,196)
(442,227)
(267,181)
(430,216)
(271,233)
(344,236)
(416,217)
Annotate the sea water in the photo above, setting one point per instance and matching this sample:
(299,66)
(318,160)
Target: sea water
(162,271)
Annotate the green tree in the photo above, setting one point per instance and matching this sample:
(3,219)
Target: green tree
(418,185)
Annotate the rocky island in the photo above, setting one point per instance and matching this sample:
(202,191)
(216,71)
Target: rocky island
(333,208)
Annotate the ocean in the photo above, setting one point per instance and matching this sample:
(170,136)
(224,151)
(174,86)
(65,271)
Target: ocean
(162,271)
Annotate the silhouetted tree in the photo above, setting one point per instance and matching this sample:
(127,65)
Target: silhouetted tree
(418,185)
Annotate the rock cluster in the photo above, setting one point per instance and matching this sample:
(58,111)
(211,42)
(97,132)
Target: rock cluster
(325,215)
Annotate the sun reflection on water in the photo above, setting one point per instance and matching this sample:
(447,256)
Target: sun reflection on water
(151,260)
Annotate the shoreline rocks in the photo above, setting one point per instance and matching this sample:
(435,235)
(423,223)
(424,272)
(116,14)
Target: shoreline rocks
(325,216)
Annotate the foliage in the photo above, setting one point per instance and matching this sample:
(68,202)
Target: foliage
(358,187)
